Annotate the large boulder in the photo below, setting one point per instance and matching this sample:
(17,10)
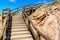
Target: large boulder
(47,24)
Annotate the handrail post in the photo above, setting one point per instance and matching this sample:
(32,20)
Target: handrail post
(39,33)
(36,37)
(5,24)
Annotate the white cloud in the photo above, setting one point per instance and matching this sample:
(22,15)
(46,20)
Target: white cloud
(39,2)
(12,1)
(42,2)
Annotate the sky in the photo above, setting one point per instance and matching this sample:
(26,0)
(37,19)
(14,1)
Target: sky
(17,3)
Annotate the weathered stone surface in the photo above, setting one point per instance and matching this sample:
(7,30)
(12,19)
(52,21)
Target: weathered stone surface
(48,24)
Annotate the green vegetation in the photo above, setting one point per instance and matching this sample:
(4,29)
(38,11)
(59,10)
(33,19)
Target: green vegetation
(0,14)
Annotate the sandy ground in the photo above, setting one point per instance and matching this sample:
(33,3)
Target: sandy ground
(50,24)
(0,23)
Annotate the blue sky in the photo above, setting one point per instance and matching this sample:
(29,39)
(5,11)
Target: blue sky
(17,3)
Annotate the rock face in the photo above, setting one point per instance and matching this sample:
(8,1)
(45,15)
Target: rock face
(47,21)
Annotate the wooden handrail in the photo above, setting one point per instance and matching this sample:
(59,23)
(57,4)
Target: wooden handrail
(39,33)
(31,5)
(32,30)
(5,23)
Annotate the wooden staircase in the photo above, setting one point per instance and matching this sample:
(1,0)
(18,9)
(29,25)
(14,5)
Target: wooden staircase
(18,30)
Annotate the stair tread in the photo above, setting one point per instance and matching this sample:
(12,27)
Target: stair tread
(21,32)
(21,36)
(18,19)
(18,24)
(19,29)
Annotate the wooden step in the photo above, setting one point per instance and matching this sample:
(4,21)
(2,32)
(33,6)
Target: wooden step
(17,16)
(17,19)
(14,20)
(21,32)
(28,38)
(20,36)
(18,24)
(20,29)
